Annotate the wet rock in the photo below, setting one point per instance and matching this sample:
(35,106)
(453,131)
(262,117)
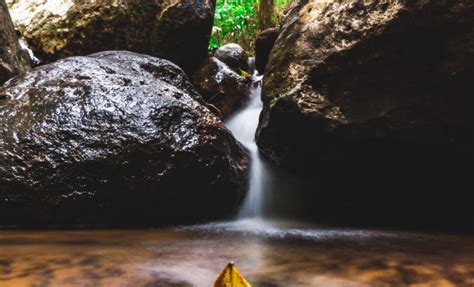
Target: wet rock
(12,58)
(113,138)
(178,31)
(263,46)
(364,71)
(378,93)
(222,87)
(234,56)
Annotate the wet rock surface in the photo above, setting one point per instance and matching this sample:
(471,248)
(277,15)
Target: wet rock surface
(113,138)
(13,59)
(178,31)
(263,47)
(372,100)
(234,56)
(222,87)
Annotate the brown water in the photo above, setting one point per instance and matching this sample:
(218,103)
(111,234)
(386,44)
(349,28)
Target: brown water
(268,254)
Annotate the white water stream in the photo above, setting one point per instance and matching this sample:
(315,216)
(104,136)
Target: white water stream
(243,125)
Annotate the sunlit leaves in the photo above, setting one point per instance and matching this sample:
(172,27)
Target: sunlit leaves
(236,21)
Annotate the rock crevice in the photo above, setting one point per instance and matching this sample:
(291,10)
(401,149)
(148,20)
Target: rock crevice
(13,60)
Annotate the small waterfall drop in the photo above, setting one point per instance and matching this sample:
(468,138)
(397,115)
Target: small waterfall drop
(244,125)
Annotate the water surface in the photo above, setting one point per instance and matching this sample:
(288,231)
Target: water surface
(267,253)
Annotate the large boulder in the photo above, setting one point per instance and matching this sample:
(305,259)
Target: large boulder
(263,47)
(379,94)
(178,31)
(221,87)
(13,59)
(113,138)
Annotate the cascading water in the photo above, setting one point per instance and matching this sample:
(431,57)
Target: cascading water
(243,125)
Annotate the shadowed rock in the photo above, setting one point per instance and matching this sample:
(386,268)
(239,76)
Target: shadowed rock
(378,93)
(263,47)
(113,138)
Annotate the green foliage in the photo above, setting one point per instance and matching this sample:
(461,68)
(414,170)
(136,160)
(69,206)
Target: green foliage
(281,4)
(236,21)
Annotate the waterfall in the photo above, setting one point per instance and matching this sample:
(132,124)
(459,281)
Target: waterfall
(24,46)
(243,125)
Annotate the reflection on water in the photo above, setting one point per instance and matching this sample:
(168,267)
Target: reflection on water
(268,253)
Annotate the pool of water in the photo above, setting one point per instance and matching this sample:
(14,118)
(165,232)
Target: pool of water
(268,253)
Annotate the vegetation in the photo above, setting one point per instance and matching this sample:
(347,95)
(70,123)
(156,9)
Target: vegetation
(239,21)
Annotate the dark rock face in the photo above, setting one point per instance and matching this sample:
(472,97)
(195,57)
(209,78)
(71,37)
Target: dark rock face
(377,81)
(113,138)
(234,56)
(182,33)
(379,94)
(178,31)
(263,47)
(222,87)
(12,58)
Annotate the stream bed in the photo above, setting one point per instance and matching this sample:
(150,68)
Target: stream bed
(268,253)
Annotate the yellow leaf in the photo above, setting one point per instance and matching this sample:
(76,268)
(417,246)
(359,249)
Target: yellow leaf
(231,277)
(244,73)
